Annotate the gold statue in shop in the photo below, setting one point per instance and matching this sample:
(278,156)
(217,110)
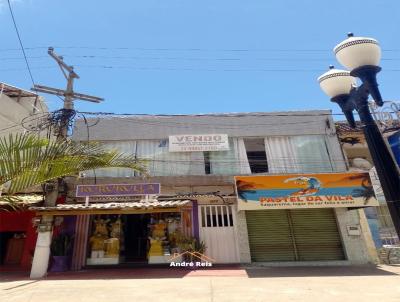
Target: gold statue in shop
(113,244)
(98,238)
(156,238)
(103,245)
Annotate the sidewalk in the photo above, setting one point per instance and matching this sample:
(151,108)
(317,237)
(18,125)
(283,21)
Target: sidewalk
(351,283)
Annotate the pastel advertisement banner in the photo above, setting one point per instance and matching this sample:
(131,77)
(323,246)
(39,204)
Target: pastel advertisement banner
(297,191)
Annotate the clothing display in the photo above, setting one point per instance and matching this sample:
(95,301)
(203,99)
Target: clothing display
(162,239)
(133,238)
(105,242)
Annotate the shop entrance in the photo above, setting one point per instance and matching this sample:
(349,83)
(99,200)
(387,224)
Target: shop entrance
(136,232)
(294,235)
(136,238)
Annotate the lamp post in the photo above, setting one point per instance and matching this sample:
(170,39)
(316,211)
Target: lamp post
(362,56)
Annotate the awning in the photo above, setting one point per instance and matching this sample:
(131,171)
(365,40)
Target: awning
(137,207)
(21,201)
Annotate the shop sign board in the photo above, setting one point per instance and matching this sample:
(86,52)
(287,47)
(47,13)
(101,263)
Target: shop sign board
(118,189)
(301,191)
(198,142)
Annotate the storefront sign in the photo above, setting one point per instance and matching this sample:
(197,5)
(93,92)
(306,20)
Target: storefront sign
(117,189)
(297,191)
(198,142)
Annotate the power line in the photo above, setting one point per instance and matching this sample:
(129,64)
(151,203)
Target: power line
(10,127)
(184,69)
(20,42)
(22,48)
(215,115)
(192,115)
(90,56)
(235,50)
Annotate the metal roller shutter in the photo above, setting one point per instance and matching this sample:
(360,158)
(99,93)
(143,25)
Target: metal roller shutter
(316,235)
(270,237)
(293,235)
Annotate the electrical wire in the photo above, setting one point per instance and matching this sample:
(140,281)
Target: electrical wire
(183,69)
(187,49)
(90,56)
(10,127)
(187,123)
(219,115)
(22,48)
(20,41)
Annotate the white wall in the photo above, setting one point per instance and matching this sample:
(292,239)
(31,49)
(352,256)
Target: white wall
(13,112)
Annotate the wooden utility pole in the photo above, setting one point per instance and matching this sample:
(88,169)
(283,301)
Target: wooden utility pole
(67,113)
(68,94)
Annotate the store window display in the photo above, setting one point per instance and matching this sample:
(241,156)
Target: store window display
(105,242)
(133,238)
(162,241)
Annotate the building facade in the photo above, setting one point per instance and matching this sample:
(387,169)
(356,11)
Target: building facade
(17,234)
(16,105)
(356,151)
(190,192)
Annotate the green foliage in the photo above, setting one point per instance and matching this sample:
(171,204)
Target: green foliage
(27,160)
(61,245)
(191,244)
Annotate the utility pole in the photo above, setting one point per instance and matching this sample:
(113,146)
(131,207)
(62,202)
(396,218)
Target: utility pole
(66,113)
(68,94)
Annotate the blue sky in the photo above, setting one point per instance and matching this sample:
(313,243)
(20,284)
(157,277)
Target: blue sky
(185,56)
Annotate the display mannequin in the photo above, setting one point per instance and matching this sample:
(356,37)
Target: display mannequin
(156,239)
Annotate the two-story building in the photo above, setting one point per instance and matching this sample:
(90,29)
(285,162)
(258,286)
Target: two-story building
(356,151)
(196,186)
(17,234)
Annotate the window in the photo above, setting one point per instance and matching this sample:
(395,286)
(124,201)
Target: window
(216,216)
(255,150)
(298,154)
(207,163)
(126,147)
(312,153)
(161,162)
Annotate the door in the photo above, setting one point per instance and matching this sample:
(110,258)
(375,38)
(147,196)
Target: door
(135,237)
(294,235)
(217,231)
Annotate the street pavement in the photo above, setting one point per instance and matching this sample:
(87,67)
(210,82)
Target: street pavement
(344,283)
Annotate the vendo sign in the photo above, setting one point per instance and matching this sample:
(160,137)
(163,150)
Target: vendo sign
(198,142)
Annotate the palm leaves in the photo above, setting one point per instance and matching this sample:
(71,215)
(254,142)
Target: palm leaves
(27,160)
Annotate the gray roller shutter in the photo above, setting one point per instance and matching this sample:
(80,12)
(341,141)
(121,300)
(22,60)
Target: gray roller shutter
(270,237)
(293,235)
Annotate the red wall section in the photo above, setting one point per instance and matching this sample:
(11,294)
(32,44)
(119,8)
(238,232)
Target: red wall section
(15,221)
(21,221)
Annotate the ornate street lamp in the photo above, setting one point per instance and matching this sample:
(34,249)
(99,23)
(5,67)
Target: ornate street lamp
(362,56)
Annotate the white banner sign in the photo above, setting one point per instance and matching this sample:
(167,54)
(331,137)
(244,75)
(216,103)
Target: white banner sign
(198,142)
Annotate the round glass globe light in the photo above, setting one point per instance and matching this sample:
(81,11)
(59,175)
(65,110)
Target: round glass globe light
(358,51)
(336,82)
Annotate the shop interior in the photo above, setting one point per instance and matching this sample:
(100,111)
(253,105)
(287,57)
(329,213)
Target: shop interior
(149,238)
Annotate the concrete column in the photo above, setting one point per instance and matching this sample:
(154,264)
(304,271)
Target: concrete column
(242,237)
(42,250)
(367,237)
(356,247)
